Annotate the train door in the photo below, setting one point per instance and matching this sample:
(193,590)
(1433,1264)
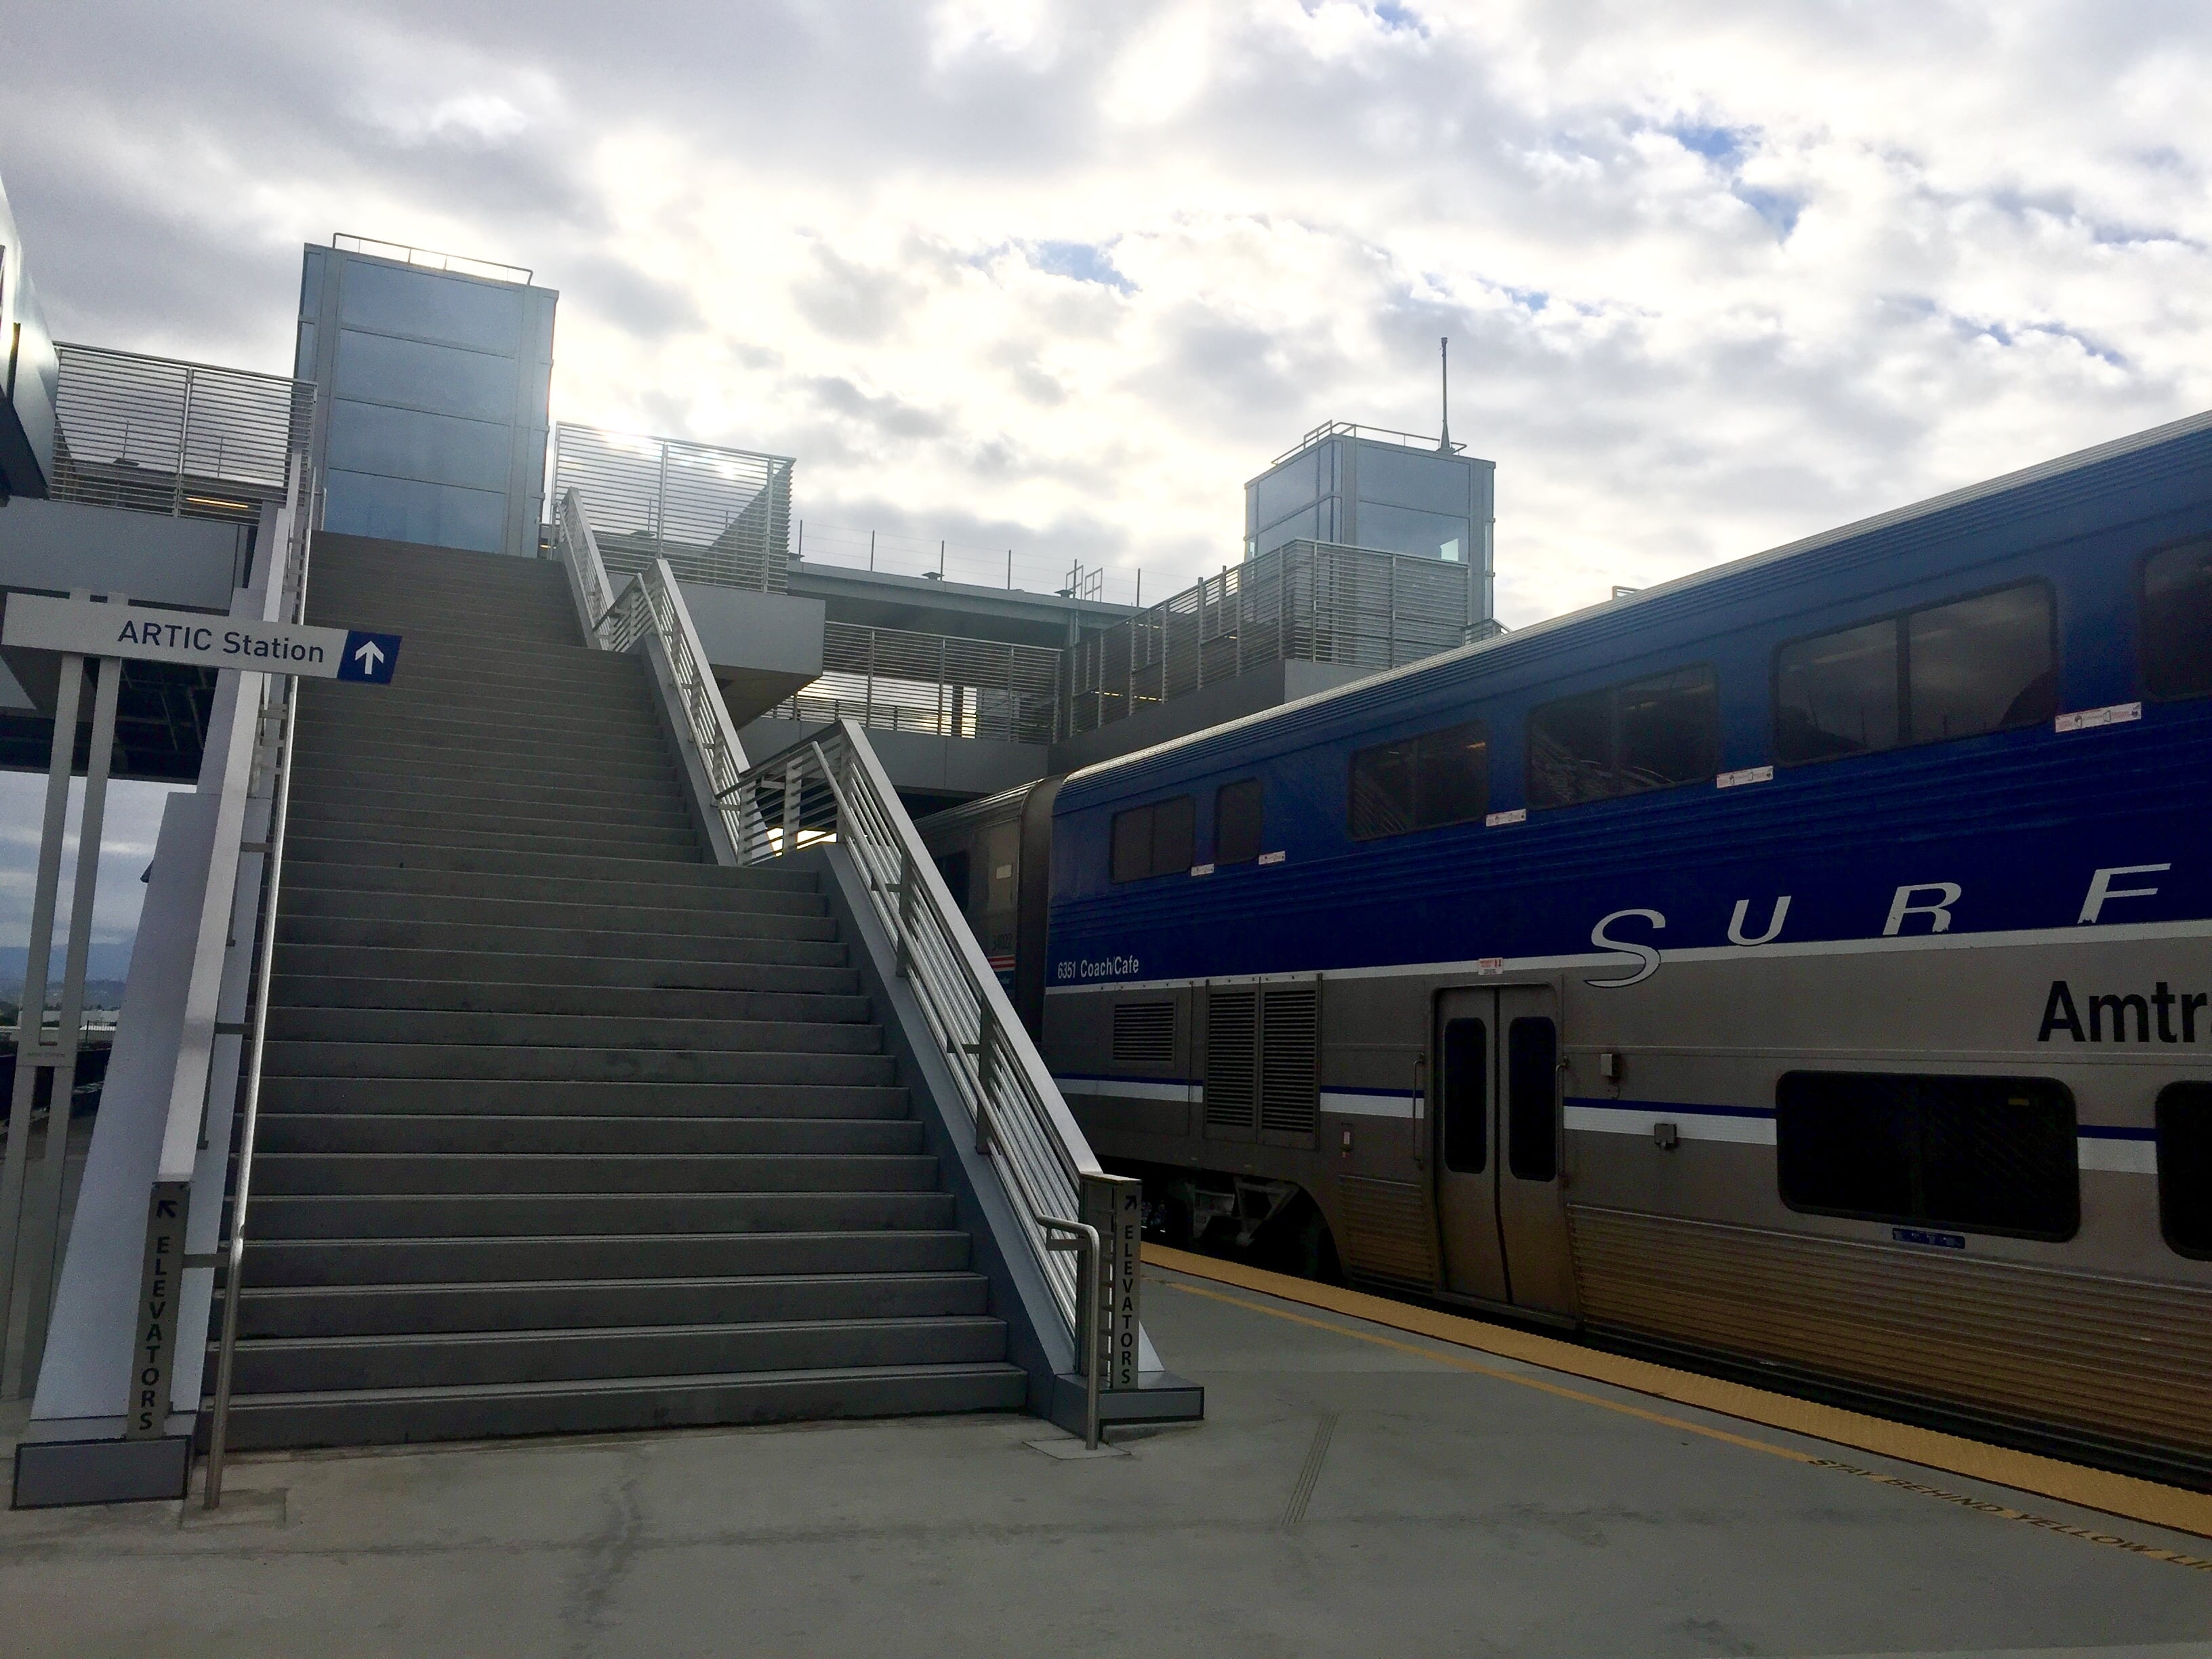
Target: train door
(1499,1204)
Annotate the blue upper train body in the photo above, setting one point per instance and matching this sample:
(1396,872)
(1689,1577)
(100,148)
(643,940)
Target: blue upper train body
(2002,833)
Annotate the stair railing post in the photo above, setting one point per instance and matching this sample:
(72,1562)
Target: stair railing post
(986,1039)
(791,807)
(906,884)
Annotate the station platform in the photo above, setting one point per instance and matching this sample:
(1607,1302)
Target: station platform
(1372,1479)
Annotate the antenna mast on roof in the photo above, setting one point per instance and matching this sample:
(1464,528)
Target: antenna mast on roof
(1443,354)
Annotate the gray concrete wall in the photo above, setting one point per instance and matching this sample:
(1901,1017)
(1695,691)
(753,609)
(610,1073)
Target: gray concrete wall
(763,647)
(54,547)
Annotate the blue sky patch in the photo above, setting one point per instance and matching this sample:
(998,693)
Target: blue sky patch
(1084,262)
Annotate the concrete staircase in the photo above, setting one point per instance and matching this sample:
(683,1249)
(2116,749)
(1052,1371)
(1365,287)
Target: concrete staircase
(562,1128)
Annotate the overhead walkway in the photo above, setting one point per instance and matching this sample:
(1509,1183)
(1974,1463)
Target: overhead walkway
(565,1128)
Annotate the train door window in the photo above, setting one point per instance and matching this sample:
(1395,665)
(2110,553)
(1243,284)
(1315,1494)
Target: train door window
(1154,839)
(1466,1103)
(2185,1167)
(1237,822)
(1981,665)
(2177,620)
(1982,1154)
(1423,782)
(1532,1099)
(1836,694)
(1650,733)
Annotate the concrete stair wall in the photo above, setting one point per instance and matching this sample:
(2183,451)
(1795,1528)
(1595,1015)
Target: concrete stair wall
(562,1127)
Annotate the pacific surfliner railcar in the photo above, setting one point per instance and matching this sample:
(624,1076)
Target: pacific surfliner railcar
(1805,965)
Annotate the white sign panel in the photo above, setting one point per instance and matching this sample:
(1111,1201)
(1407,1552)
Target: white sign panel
(201,641)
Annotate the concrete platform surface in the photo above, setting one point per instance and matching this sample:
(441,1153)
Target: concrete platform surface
(1356,1489)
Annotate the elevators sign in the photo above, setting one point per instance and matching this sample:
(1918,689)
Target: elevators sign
(94,629)
(1114,1204)
(155,1350)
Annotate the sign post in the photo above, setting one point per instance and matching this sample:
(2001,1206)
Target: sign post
(106,632)
(1114,1204)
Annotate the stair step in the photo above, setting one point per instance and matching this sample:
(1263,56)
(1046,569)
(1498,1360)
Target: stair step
(340,1263)
(555,1098)
(494,969)
(569,890)
(570,1133)
(481,1359)
(400,1415)
(434,811)
(288,1057)
(298,994)
(392,1175)
(322,848)
(689,922)
(504,1214)
(520,844)
(546,1304)
(399,932)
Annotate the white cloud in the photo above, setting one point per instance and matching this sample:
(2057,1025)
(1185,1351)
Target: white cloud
(1060,278)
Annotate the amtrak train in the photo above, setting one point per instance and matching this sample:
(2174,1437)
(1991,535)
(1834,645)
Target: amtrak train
(1803,967)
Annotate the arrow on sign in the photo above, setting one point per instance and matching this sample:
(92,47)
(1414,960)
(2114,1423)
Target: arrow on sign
(370,658)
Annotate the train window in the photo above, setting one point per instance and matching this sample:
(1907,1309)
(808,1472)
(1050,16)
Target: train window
(2185,1167)
(1982,1154)
(1650,733)
(1237,822)
(2177,620)
(1953,669)
(1421,783)
(1466,1091)
(1156,840)
(1981,665)
(1532,1099)
(1836,694)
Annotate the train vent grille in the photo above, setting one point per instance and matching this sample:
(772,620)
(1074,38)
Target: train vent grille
(1143,1033)
(1232,1019)
(1290,1061)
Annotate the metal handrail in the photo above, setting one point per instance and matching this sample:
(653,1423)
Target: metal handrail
(587,573)
(835,787)
(272,873)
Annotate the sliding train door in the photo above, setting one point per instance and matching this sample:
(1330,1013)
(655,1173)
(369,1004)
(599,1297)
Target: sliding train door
(1500,1206)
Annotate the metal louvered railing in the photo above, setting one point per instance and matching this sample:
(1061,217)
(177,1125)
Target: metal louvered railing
(714,514)
(891,680)
(193,441)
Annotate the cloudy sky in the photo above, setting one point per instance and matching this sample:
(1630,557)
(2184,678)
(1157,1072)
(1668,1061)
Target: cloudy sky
(1060,277)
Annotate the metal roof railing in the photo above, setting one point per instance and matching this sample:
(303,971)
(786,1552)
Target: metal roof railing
(1380,434)
(1301,602)
(193,441)
(458,263)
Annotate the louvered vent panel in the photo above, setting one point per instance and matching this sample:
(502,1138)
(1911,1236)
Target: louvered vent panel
(1388,1233)
(2125,1358)
(1143,1033)
(1232,1019)
(1290,1057)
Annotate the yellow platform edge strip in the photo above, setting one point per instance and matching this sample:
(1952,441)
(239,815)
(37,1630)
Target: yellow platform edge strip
(2069,1483)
